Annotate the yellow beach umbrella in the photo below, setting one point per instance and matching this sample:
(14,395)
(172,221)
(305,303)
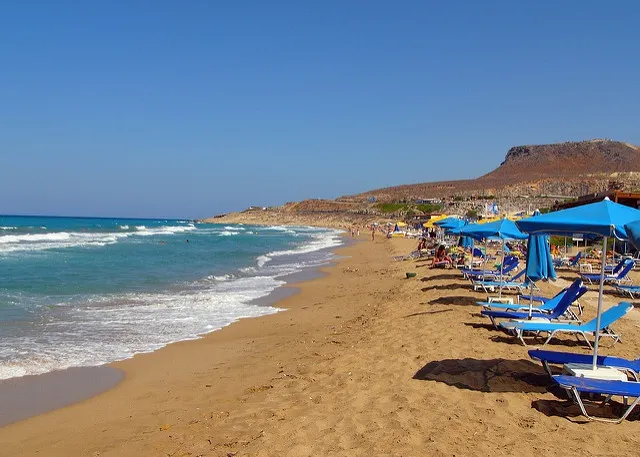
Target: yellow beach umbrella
(433,219)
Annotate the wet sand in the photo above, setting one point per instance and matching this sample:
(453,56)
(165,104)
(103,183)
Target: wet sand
(363,362)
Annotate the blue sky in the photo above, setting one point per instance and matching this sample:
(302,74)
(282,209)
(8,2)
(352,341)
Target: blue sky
(188,109)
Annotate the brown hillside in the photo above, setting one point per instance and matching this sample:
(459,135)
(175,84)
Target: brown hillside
(530,177)
(566,160)
(569,169)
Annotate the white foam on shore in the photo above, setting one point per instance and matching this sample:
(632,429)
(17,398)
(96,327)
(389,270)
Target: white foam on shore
(116,327)
(324,240)
(105,328)
(228,233)
(10,243)
(262,259)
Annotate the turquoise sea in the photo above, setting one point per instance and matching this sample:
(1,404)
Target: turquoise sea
(86,291)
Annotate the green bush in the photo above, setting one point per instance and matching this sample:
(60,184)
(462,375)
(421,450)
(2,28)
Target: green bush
(387,208)
(559,241)
(429,207)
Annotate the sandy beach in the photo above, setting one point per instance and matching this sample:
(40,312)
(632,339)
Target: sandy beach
(363,362)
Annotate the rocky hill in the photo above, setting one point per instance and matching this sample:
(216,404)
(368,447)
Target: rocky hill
(530,176)
(564,169)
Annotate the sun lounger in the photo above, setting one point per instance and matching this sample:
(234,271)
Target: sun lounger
(633,291)
(559,310)
(411,256)
(576,385)
(614,269)
(618,278)
(632,367)
(546,304)
(509,263)
(608,317)
(491,275)
(513,284)
(576,260)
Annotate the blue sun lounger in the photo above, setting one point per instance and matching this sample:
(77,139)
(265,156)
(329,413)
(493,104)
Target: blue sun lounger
(615,268)
(509,264)
(513,283)
(576,385)
(617,278)
(576,260)
(632,367)
(561,308)
(608,317)
(627,289)
(545,306)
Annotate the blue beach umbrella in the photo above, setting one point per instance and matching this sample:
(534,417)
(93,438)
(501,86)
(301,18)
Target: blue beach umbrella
(465,242)
(539,261)
(633,232)
(503,229)
(450,223)
(604,218)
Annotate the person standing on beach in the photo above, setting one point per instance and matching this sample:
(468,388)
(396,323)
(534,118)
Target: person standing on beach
(373,233)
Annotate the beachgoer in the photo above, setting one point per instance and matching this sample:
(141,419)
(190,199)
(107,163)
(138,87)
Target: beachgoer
(422,244)
(373,233)
(441,256)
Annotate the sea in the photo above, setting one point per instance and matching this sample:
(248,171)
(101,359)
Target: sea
(87,291)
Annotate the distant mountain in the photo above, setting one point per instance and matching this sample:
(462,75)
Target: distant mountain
(566,160)
(534,176)
(568,169)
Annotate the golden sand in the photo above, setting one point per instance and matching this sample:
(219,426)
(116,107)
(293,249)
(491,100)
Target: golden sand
(364,362)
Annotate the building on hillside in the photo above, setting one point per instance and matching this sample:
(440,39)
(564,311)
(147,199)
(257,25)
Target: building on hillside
(631,199)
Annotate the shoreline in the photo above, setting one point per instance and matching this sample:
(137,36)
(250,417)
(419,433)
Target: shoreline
(364,362)
(29,396)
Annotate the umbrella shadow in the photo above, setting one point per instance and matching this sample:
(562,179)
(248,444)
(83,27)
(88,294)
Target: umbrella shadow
(493,375)
(477,325)
(443,287)
(442,277)
(437,311)
(457,300)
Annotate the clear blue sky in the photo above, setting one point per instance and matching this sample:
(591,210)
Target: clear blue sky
(188,109)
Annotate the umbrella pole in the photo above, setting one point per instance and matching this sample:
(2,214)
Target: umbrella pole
(530,299)
(598,316)
(501,268)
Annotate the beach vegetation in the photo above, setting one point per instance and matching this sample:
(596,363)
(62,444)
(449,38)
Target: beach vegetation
(428,208)
(560,240)
(472,214)
(388,208)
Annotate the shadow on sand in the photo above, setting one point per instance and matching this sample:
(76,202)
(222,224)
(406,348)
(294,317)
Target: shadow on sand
(457,300)
(570,410)
(442,277)
(444,287)
(494,375)
(437,311)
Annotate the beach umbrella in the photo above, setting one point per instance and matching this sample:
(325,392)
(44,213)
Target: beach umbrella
(539,261)
(503,229)
(465,242)
(604,218)
(449,222)
(633,232)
